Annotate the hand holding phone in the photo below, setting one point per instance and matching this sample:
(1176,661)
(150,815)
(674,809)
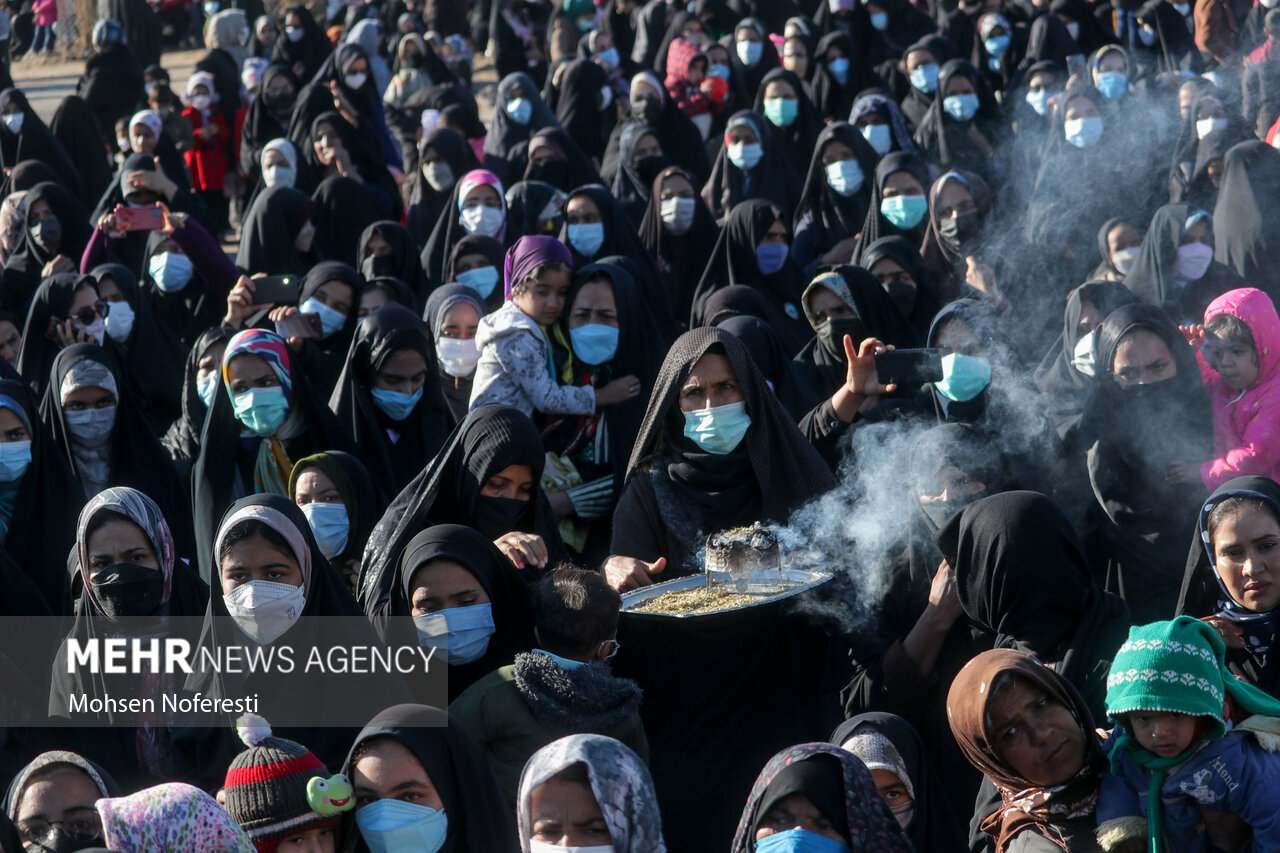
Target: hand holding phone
(299,325)
(139,218)
(909,366)
(277,290)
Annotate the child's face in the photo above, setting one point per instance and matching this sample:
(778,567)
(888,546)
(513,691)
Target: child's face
(1162,733)
(1235,361)
(543,298)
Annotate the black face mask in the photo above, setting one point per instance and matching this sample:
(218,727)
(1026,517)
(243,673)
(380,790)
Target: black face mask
(960,232)
(279,103)
(646,110)
(126,590)
(496,516)
(412,60)
(47,233)
(378,266)
(647,168)
(553,172)
(902,295)
(60,841)
(831,334)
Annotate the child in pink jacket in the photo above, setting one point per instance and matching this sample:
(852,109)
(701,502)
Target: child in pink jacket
(1240,367)
(44,15)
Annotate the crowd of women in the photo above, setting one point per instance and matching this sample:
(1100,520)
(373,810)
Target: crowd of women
(974,302)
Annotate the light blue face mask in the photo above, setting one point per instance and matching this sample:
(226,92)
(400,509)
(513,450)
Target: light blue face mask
(1113,84)
(394,826)
(961,107)
(750,52)
(170,271)
(839,68)
(717,429)
(771,257)
(845,177)
(330,320)
(745,155)
(330,525)
(996,45)
(207,387)
(719,69)
(520,110)
(481,279)
(15,459)
(880,21)
(904,211)
(594,343)
(925,77)
(587,238)
(608,58)
(261,409)
(781,112)
(462,632)
(395,404)
(963,377)
(1083,132)
(879,137)
(1038,99)
(799,841)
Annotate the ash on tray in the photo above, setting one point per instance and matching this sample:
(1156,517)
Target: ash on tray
(746,554)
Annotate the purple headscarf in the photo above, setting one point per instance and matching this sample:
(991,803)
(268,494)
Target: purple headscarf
(527,254)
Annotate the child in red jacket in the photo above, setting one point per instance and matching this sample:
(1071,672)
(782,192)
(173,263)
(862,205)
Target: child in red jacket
(207,158)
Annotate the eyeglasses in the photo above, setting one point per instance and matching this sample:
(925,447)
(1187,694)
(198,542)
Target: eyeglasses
(86,316)
(80,828)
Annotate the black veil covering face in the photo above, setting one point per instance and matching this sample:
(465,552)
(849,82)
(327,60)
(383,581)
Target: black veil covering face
(401,262)
(448,491)
(390,329)
(918,305)
(1133,434)
(24,270)
(676,492)
(1245,211)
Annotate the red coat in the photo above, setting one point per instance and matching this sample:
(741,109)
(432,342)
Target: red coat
(207,159)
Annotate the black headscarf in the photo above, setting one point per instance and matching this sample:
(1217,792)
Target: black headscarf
(916,104)
(75,128)
(574,170)
(270,230)
(681,141)
(790,386)
(479,821)
(322,359)
(945,141)
(1133,434)
(935,827)
(833,217)
(400,263)
(680,259)
(526,202)
(578,107)
(906,255)
(797,139)
(1154,280)
(304,56)
(506,145)
(264,121)
(23,271)
(388,330)
(875,226)
(101,779)
(194,308)
(833,100)
(51,304)
(733,261)
(944,262)
(183,437)
(1200,190)
(447,491)
(363,500)
(111,86)
(633,181)
(425,203)
(702,492)
(478,244)
(751,77)
(773,179)
(35,142)
(1245,212)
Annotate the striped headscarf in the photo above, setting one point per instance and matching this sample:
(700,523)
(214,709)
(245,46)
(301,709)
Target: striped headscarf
(142,511)
(271,470)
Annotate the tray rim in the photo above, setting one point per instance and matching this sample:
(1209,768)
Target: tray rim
(813,578)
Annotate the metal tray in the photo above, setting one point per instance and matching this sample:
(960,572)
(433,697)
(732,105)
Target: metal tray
(803,579)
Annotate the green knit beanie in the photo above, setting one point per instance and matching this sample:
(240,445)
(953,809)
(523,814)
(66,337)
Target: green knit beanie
(1175,667)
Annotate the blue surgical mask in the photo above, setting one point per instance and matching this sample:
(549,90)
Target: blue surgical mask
(594,343)
(717,429)
(880,21)
(394,404)
(394,826)
(879,137)
(1184,9)
(925,77)
(1113,85)
(800,841)
(904,211)
(207,387)
(749,52)
(845,177)
(331,526)
(771,257)
(520,110)
(170,271)
(1083,132)
(261,409)
(839,68)
(1038,99)
(719,69)
(961,107)
(481,279)
(462,632)
(15,459)
(745,155)
(963,377)
(609,58)
(91,427)
(587,238)
(330,320)
(996,45)
(781,112)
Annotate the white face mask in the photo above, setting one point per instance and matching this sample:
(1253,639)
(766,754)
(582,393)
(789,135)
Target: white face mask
(677,214)
(91,428)
(120,321)
(1073,30)
(544,847)
(279,176)
(1083,359)
(264,610)
(306,235)
(356,80)
(1206,126)
(96,330)
(1193,261)
(439,176)
(200,102)
(482,220)
(458,357)
(1123,259)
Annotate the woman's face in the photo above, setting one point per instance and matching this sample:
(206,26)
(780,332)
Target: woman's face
(594,304)
(1043,80)
(371,300)
(891,788)
(567,814)
(142,139)
(257,559)
(1199,233)
(675,186)
(1246,549)
(63,796)
(84,300)
(467,263)
(797,812)
(315,487)
(338,295)
(795,57)
(109,291)
(326,141)
(957,336)
(647,146)
(543,298)
(404,371)
(11,428)
(1123,236)
(1080,108)
(211,361)
(460,322)
(582,210)
(949,484)
(825,305)
(39,209)
(776,235)
(1035,735)
(1090,317)
(836,151)
(377,246)
(901,182)
(442,585)
(959,85)
(916,58)
(544,154)
(1113,61)
(389,771)
(779,89)
(482,195)
(120,541)
(744,134)
(87,398)
(954,199)
(514,482)
(888,271)
(250,371)
(711,382)
(1143,358)
(10,341)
